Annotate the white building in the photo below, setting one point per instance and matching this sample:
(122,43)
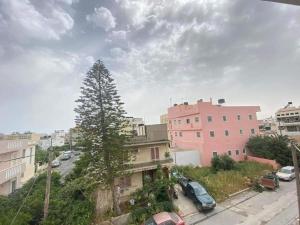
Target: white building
(58,138)
(288,119)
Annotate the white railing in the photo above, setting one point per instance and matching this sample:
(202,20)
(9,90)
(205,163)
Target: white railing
(11,172)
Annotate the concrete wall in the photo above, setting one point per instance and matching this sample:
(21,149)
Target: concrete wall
(143,153)
(136,183)
(187,157)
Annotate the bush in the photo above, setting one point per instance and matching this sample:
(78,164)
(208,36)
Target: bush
(223,162)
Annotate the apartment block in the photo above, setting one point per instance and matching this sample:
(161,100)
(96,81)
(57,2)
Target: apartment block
(288,119)
(17,159)
(212,129)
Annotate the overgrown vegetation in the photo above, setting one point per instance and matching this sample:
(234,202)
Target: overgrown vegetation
(225,182)
(69,203)
(154,197)
(275,148)
(223,162)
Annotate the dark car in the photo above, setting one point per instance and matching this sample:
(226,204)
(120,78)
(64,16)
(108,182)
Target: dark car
(198,194)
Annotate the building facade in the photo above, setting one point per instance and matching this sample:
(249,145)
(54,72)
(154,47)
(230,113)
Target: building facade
(288,119)
(212,129)
(33,137)
(268,127)
(17,164)
(148,149)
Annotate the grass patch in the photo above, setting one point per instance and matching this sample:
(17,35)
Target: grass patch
(223,183)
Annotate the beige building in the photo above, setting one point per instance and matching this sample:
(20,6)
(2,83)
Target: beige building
(150,149)
(33,137)
(164,119)
(17,158)
(288,119)
(268,126)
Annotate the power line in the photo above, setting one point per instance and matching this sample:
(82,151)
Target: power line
(23,202)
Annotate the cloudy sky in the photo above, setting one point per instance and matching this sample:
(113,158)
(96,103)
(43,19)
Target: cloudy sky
(159,51)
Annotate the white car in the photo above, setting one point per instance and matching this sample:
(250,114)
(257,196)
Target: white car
(286,173)
(55,163)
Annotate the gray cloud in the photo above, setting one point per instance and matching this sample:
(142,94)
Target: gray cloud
(102,17)
(245,51)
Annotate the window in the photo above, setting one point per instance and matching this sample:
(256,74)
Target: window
(244,151)
(198,134)
(252,131)
(179,121)
(180,134)
(30,155)
(239,117)
(13,186)
(197,119)
(224,118)
(250,117)
(175,134)
(229,152)
(241,131)
(237,152)
(215,154)
(226,133)
(187,121)
(212,133)
(170,122)
(174,122)
(125,182)
(24,153)
(209,119)
(155,153)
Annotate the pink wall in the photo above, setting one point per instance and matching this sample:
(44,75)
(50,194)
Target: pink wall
(273,163)
(206,144)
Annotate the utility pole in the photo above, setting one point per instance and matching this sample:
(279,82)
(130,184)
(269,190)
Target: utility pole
(48,183)
(296,167)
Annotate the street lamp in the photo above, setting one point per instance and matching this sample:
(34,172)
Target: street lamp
(291,2)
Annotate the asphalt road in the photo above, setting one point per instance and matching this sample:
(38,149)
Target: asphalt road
(250,208)
(66,166)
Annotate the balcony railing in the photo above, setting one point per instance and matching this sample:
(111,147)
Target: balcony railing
(136,167)
(11,172)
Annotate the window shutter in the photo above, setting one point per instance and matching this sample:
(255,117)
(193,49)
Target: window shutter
(152,154)
(157,152)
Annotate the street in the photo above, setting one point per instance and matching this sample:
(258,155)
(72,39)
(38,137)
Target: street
(249,208)
(66,166)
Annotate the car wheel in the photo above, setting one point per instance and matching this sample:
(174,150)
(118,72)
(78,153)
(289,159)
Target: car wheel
(199,207)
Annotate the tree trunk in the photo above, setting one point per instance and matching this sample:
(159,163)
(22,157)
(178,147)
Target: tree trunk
(116,198)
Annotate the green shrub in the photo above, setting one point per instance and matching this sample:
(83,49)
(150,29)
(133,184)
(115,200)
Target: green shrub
(223,162)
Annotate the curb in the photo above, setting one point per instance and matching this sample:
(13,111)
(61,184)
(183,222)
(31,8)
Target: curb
(239,192)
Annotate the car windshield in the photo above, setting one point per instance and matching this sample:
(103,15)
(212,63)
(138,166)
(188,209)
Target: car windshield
(150,222)
(285,171)
(200,191)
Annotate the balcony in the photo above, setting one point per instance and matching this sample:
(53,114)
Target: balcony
(138,167)
(11,172)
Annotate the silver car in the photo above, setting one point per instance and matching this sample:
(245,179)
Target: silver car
(55,163)
(286,173)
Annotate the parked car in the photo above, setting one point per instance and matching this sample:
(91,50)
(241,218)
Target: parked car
(66,156)
(198,195)
(55,163)
(165,218)
(76,153)
(286,173)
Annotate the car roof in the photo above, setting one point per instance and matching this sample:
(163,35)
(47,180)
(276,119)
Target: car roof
(288,167)
(161,217)
(195,184)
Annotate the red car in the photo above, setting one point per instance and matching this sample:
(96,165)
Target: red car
(165,218)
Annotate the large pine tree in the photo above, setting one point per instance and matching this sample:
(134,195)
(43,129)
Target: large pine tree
(101,117)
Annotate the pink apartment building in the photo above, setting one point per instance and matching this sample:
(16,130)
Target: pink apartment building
(212,129)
